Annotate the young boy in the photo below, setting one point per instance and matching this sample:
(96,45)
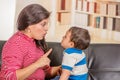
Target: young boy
(74,60)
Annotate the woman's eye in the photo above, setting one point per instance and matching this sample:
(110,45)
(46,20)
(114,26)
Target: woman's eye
(43,24)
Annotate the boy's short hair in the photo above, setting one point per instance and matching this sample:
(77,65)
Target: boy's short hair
(80,37)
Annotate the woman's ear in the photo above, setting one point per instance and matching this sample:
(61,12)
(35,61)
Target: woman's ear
(27,30)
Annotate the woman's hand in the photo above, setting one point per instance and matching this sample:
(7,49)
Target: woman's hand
(54,71)
(44,60)
(57,70)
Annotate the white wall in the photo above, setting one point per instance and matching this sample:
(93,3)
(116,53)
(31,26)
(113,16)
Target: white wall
(7,12)
(20,4)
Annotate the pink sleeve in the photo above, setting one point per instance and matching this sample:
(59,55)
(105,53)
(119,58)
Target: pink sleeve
(12,59)
(48,71)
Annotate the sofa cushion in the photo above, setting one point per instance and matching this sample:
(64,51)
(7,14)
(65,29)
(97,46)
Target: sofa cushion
(104,61)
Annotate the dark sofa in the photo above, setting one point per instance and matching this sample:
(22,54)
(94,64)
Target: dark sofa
(103,59)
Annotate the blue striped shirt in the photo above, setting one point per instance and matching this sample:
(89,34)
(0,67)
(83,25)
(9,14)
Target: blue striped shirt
(74,60)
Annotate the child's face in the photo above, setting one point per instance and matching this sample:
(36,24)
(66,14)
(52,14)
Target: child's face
(66,42)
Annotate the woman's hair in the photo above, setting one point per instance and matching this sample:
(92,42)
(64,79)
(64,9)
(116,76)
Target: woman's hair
(30,15)
(80,37)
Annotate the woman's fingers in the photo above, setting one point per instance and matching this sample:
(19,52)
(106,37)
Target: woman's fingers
(44,60)
(47,53)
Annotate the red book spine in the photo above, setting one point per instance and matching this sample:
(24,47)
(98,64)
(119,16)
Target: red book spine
(62,4)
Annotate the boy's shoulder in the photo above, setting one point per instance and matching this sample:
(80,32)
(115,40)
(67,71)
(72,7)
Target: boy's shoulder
(72,51)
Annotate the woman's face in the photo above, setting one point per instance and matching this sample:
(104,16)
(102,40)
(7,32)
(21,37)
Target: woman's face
(39,30)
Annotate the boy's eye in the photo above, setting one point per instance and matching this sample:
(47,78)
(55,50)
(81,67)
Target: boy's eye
(64,36)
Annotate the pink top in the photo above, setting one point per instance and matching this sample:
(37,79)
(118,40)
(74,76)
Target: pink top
(18,52)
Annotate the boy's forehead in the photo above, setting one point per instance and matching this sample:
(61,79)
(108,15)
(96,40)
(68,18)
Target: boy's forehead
(68,33)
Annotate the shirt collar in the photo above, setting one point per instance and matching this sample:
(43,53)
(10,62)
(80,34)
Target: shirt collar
(24,36)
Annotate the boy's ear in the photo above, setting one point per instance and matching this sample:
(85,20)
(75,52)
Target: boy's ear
(72,44)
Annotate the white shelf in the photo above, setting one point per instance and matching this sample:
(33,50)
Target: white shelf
(63,11)
(108,0)
(96,14)
(104,32)
(84,12)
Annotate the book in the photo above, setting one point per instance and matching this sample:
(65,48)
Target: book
(84,20)
(112,9)
(103,22)
(85,6)
(58,5)
(78,19)
(103,8)
(63,4)
(117,24)
(116,29)
(110,24)
(59,16)
(97,22)
(91,21)
(92,7)
(81,19)
(110,27)
(118,9)
(68,5)
(97,9)
(79,5)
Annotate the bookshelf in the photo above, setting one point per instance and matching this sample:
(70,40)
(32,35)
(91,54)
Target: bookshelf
(100,17)
(64,11)
(109,0)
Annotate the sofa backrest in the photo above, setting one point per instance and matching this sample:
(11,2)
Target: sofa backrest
(57,53)
(1,46)
(103,60)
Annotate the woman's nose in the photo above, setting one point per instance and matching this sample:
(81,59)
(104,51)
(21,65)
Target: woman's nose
(46,28)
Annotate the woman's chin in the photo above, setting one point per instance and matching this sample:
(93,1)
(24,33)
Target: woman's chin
(39,38)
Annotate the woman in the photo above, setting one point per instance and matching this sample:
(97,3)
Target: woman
(23,55)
